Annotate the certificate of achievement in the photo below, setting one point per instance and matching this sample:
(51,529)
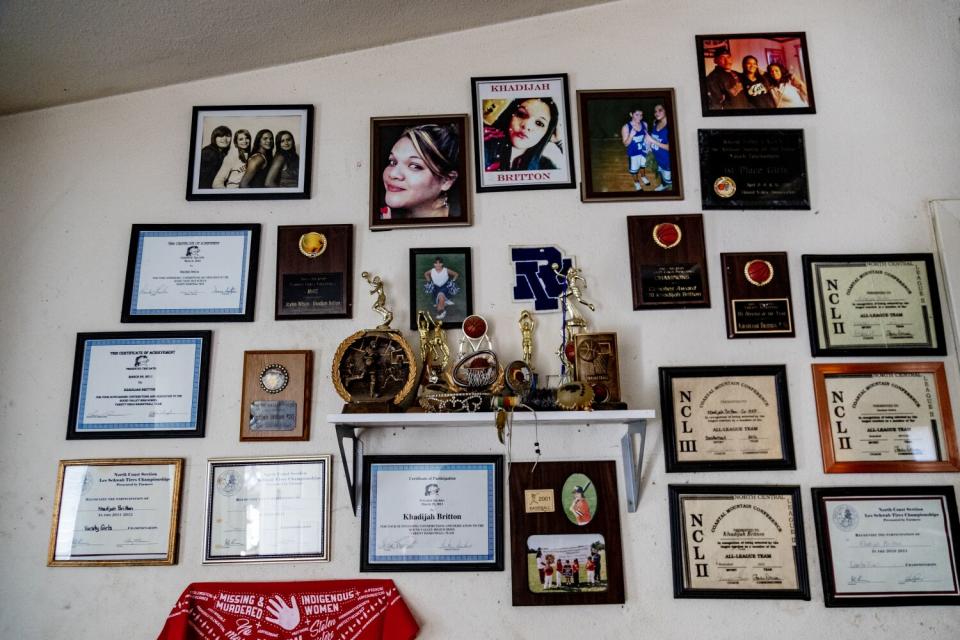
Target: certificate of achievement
(191,272)
(726,418)
(873,305)
(742,539)
(885,417)
(268,509)
(432,512)
(888,545)
(116,512)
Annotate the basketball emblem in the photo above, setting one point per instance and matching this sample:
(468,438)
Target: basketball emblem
(667,235)
(724,186)
(758,272)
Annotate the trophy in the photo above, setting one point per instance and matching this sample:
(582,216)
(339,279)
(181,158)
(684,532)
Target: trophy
(474,377)
(573,320)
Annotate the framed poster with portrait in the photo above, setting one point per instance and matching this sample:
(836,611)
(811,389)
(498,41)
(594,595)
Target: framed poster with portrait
(753,74)
(523,134)
(418,171)
(737,541)
(441,283)
(250,152)
(629,147)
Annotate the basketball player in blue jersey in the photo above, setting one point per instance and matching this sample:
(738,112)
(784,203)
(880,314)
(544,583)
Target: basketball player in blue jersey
(634,137)
(658,139)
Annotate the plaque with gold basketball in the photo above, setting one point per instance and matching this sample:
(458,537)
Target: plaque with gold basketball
(756,291)
(668,262)
(597,365)
(314,272)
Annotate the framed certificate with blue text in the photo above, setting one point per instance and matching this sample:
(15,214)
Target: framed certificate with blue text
(888,546)
(191,273)
(432,513)
(139,384)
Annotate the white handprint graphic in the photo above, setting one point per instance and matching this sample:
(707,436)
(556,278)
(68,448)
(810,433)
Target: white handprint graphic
(282,615)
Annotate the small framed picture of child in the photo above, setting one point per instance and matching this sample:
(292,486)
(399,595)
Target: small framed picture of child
(523,133)
(441,284)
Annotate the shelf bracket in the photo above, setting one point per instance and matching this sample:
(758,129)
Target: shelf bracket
(355,467)
(632,464)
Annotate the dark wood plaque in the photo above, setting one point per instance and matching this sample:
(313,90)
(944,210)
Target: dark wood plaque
(314,272)
(275,403)
(597,364)
(565,511)
(668,262)
(756,292)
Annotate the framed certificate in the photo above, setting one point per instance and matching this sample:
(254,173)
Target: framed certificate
(873,305)
(314,272)
(888,546)
(191,273)
(290,497)
(668,262)
(726,418)
(139,384)
(885,417)
(737,541)
(432,513)
(116,512)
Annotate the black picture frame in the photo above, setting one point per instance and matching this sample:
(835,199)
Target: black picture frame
(75,430)
(419,298)
(274,118)
(827,570)
(517,88)
(244,313)
(675,494)
(709,47)
(495,486)
(812,294)
(673,462)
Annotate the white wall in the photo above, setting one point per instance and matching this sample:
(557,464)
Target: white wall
(885,139)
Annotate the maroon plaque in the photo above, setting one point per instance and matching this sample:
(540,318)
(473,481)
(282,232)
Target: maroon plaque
(756,291)
(668,264)
(314,272)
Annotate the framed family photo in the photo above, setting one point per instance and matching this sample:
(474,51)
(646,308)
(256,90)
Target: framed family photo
(418,171)
(755,74)
(441,283)
(523,133)
(250,153)
(629,147)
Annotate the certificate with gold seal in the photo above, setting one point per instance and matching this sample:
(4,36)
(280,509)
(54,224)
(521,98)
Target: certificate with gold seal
(737,541)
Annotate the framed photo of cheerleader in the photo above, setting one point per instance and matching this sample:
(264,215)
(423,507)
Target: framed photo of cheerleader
(250,152)
(524,138)
(755,74)
(441,283)
(418,171)
(629,148)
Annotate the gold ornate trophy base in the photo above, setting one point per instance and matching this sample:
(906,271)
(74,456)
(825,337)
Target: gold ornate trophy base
(374,370)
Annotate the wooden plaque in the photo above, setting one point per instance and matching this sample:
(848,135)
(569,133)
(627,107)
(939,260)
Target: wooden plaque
(314,272)
(597,364)
(756,291)
(668,262)
(276,395)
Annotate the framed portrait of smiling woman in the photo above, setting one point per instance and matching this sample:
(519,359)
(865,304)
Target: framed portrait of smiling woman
(418,171)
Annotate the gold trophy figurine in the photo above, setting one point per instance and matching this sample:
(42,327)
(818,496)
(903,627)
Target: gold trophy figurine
(526,331)
(434,352)
(380,305)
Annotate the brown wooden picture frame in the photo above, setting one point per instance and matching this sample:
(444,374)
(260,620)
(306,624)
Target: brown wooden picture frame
(314,272)
(276,381)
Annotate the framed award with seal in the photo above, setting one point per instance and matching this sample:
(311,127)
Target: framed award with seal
(668,262)
(885,417)
(738,541)
(888,546)
(873,305)
(753,169)
(756,291)
(191,273)
(314,272)
(726,418)
(277,386)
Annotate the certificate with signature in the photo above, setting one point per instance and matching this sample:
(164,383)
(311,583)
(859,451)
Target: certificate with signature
(273,509)
(432,513)
(179,273)
(116,512)
(888,545)
(144,384)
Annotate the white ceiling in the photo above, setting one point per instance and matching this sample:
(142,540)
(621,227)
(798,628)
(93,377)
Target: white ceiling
(62,51)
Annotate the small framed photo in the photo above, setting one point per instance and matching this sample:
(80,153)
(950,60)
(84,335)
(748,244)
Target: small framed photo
(441,283)
(890,417)
(873,305)
(291,499)
(191,273)
(432,513)
(275,404)
(524,138)
(116,512)
(629,147)
(418,171)
(748,74)
(250,153)
(738,541)
(730,418)
(139,384)
(888,546)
